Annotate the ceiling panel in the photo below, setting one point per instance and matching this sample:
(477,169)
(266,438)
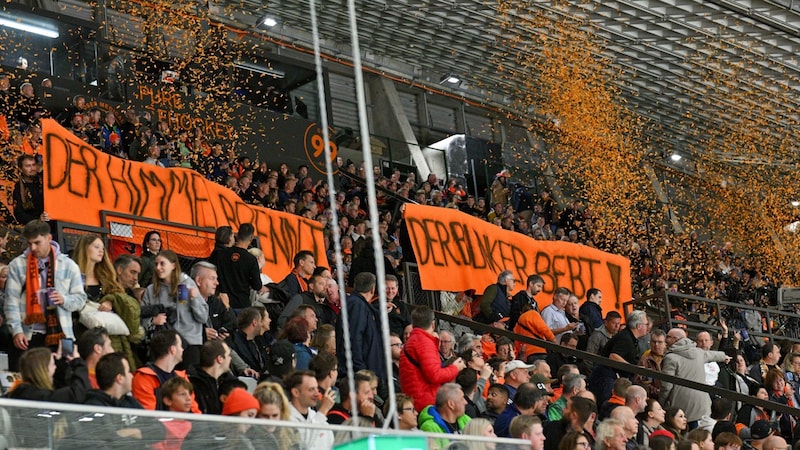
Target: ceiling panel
(668,55)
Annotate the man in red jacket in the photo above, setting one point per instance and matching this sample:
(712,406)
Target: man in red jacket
(421,371)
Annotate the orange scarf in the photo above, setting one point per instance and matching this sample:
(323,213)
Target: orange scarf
(34,313)
(301,281)
(33,310)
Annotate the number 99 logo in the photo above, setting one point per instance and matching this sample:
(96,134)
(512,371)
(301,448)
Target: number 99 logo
(315,147)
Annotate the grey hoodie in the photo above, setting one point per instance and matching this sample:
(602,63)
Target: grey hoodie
(685,360)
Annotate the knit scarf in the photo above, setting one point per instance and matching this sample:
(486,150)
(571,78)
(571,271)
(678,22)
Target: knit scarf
(33,309)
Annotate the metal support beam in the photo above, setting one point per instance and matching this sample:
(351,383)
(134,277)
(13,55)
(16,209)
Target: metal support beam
(390,120)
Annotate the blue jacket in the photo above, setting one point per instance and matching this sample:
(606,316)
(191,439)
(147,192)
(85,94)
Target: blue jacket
(366,339)
(503,421)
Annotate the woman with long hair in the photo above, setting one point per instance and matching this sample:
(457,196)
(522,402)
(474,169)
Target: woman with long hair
(101,286)
(702,438)
(37,368)
(100,278)
(325,339)
(151,245)
(791,368)
(675,422)
(174,301)
(480,427)
(274,406)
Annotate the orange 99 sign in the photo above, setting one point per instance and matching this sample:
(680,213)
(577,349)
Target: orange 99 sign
(315,147)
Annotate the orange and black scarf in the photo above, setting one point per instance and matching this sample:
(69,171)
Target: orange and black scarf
(33,307)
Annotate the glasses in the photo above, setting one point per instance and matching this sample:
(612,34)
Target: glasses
(155,240)
(397,345)
(446,342)
(582,444)
(402,410)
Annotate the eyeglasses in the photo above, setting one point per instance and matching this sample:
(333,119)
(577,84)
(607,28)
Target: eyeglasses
(582,444)
(397,345)
(402,410)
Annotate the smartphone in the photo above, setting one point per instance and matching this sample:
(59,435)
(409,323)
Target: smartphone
(223,330)
(67,347)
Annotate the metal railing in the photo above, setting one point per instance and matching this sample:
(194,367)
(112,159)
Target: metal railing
(32,424)
(775,324)
(419,296)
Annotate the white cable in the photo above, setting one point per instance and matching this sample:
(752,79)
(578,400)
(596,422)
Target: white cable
(369,176)
(332,189)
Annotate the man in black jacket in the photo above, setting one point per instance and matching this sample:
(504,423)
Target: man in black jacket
(111,430)
(215,364)
(314,296)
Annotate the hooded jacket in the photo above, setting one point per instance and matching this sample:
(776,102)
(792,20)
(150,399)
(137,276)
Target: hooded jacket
(191,315)
(685,360)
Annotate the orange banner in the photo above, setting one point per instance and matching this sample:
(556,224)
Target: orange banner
(456,252)
(81,181)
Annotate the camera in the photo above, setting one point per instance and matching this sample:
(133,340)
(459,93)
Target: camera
(172,314)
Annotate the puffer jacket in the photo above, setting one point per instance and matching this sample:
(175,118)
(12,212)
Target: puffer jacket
(685,360)
(421,371)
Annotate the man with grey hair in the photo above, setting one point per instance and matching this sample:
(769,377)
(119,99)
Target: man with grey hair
(623,348)
(572,385)
(685,360)
(366,337)
(221,320)
(447,343)
(629,424)
(496,298)
(448,414)
(610,435)
(554,315)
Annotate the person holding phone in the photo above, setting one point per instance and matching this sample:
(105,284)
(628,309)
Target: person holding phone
(45,377)
(54,291)
(178,303)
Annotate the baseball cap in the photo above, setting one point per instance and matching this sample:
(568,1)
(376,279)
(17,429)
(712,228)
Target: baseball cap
(280,360)
(760,429)
(539,378)
(517,364)
(499,317)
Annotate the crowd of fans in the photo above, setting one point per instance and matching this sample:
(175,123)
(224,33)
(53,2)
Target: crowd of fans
(149,336)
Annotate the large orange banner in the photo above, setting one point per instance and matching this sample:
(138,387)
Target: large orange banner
(81,181)
(456,252)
